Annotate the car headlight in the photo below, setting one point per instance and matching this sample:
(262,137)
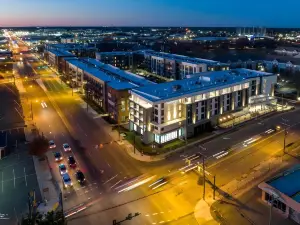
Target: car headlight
(60,158)
(56,159)
(71,184)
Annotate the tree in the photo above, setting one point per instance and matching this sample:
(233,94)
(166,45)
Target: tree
(51,218)
(39,146)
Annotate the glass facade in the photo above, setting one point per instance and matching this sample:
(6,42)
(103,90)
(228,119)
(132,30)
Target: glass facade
(161,139)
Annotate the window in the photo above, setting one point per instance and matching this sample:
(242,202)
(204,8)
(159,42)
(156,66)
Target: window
(169,136)
(134,127)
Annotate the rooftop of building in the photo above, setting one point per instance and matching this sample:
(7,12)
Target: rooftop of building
(119,85)
(198,82)
(60,53)
(115,71)
(183,58)
(3,139)
(288,183)
(116,82)
(115,53)
(69,46)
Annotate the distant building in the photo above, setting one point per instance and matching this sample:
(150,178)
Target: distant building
(178,109)
(79,50)
(55,58)
(177,67)
(283,193)
(3,143)
(122,60)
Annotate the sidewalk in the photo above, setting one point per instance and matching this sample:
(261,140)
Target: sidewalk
(48,186)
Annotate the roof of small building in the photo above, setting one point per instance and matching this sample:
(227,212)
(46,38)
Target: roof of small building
(60,52)
(288,183)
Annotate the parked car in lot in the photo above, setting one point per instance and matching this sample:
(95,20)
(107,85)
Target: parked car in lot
(52,144)
(66,147)
(58,157)
(62,169)
(67,180)
(80,176)
(72,162)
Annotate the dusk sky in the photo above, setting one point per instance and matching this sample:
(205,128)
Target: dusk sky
(149,13)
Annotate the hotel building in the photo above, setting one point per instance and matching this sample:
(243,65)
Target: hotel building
(184,108)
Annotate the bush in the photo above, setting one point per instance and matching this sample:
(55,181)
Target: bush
(39,146)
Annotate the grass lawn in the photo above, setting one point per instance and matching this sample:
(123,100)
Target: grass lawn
(148,150)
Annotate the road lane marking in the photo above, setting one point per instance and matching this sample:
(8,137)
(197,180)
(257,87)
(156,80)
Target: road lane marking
(110,179)
(246,148)
(25,176)
(116,184)
(14,178)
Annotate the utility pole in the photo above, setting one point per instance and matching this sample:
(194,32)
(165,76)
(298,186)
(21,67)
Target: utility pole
(214,195)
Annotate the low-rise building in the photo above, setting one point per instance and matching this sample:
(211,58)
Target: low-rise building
(283,193)
(79,50)
(55,58)
(177,67)
(122,60)
(106,85)
(184,108)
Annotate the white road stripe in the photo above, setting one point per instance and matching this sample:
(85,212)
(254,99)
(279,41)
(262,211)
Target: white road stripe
(110,179)
(115,184)
(25,176)
(14,178)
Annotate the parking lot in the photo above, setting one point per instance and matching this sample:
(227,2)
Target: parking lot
(17,173)
(17,179)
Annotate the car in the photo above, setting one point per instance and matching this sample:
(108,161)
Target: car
(57,156)
(80,176)
(72,162)
(67,180)
(66,147)
(52,144)
(62,169)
